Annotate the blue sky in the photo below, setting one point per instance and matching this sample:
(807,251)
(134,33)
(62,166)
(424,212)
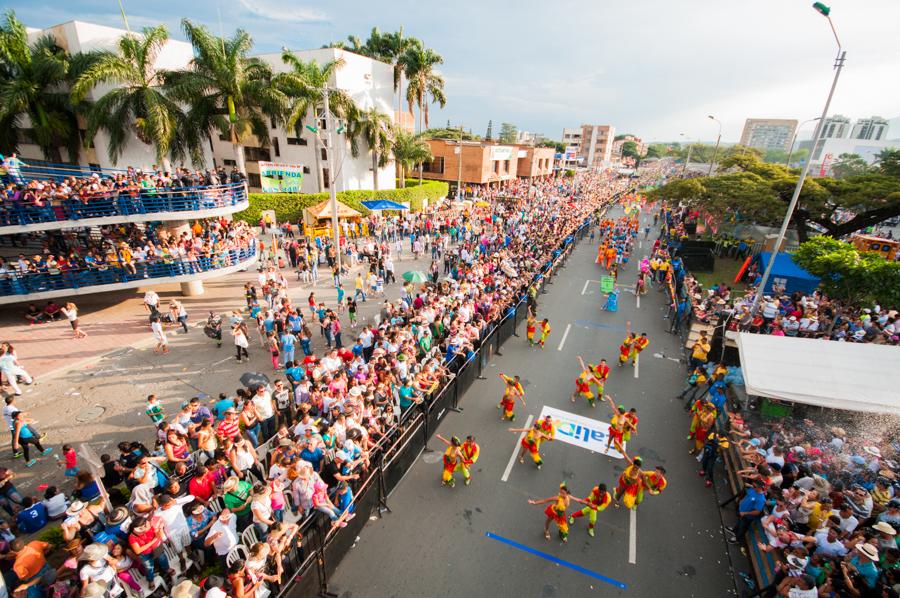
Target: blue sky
(653,68)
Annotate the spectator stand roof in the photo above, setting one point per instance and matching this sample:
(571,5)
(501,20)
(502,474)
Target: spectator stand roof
(378,205)
(860,377)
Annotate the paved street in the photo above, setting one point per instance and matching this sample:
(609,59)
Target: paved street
(434,542)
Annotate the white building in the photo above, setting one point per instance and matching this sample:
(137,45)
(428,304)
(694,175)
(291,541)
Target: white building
(369,83)
(829,151)
(873,129)
(572,138)
(836,127)
(78,36)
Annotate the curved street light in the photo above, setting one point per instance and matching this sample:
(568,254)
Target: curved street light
(838,65)
(716,151)
(794,140)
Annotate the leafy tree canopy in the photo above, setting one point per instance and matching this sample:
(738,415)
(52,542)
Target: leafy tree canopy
(449,133)
(752,190)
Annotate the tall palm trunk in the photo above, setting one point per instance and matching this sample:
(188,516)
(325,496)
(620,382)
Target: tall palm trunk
(239,157)
(375,169)
(317,154)
(421,164)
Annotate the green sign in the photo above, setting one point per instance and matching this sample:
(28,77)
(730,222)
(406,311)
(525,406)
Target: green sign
(607,284)
(280,178)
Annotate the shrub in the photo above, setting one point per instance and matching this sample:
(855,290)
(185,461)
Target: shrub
(290,206)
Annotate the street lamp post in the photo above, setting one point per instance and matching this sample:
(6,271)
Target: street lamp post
(459,166)
(335,229)
(794,140)
(716,151)
(838,65)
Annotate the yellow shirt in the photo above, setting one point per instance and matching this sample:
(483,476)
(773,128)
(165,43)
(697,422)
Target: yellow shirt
(701,350)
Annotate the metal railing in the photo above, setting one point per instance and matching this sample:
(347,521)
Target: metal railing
(151,201)
(15,283)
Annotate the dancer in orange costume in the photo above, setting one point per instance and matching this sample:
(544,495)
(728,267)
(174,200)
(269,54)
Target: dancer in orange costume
(511,392)
(654,482)
(530,327)
(545,331)
(601,374)
(584,381)
(453,458)
(597,501)
(630,482)
(617,425)
(625,347)
(640,343)
(556,511)
(531,443)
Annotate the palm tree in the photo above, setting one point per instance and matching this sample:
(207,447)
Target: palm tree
(393,49)
(376,128)
(424,81)
(306,85)
(33,79)
(137,104)
(226,90)
(409,151)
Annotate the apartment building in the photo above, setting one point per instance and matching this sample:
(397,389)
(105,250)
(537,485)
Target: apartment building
(871,129)
(595,150)
(768,133)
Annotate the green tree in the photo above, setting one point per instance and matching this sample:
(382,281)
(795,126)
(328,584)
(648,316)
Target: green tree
(449,133)
(137,104)
(33,82)
(376,129)
(226,90)
(848,165)
(508,133)
(305,86)
(848,274)
(425,85)
(410,151)
(630,150)
(489,136)
(758,192)
(888,162)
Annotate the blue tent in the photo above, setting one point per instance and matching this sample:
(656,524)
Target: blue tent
(787,273)
(378,205)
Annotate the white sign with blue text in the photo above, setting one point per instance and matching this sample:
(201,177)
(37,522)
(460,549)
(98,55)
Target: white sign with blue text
(581,431)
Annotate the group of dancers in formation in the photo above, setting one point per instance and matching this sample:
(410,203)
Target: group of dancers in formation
(617,237)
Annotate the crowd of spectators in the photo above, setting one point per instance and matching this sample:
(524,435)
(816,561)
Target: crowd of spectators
(226,483)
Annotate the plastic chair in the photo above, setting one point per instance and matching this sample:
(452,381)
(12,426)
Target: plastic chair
(249,537)
(239,552)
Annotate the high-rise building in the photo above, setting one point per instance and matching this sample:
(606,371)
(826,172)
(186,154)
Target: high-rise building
(768,133)
(596,145)
(572,138)
(836,127)
(872,129)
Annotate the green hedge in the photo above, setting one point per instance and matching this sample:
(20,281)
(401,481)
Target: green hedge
(290,206)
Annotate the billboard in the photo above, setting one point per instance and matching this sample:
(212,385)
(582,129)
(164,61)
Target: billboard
(571,153)
(501,152)
(280,178)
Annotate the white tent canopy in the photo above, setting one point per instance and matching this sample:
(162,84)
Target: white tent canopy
(850,376)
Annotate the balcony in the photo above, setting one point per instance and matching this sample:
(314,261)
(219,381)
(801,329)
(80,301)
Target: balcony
(17,287)
(185,203)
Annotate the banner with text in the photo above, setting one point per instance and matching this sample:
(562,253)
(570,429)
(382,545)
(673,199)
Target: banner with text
(581,431)
(280,178)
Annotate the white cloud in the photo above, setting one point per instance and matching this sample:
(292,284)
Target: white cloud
(277,10)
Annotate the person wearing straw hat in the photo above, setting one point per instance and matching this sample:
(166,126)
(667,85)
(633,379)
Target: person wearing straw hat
(99,568)
(886,535)
(863,559)
(186,589)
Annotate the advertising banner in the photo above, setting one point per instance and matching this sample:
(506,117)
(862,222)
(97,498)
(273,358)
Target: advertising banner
(582,432)
(501,152)
(280,178)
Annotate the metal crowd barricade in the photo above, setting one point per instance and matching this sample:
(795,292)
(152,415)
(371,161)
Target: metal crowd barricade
(125,203)
(28,283)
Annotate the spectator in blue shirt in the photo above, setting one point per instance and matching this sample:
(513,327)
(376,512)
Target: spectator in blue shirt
(32,517)
(749,510)
(312,455)
(225,402)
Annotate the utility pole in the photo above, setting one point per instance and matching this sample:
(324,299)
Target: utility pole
(459,166)
(716,151)
(335,229)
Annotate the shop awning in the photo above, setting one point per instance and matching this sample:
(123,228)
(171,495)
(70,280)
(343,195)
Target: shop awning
(379,205)
(851,376)
(323,210)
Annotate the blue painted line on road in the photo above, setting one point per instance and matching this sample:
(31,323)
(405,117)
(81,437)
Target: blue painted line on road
(558,561)
(593,324)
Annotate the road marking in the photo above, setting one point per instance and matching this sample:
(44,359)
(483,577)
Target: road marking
(638,295)
(221,361)
(512,459)
(565,334)
(637,364)
(586,283)
(632,538)
(558,561)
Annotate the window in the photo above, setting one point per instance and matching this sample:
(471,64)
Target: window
(296,141)
(272,122)
(224,137)
(324,153)
(326,177)
(496,166)
(94,167)
(506,166)
(435,166)
(306,170)
(276,147)
(253,180)
(229,162)
(255,154)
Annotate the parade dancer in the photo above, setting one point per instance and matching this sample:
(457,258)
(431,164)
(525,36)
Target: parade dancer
(556,511)
(545,331)
(653,482)
(512,392)
(530,327)
(596,501)
(584,381)
(625,347)
(616,425)
(453,459)
(531,443)
(640,343)
(631,423)
(548,427)
(630,482)
(601,374)
(470,453)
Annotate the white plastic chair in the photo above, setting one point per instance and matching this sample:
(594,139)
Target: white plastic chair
(239,552)
(175,561)
(249,537)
